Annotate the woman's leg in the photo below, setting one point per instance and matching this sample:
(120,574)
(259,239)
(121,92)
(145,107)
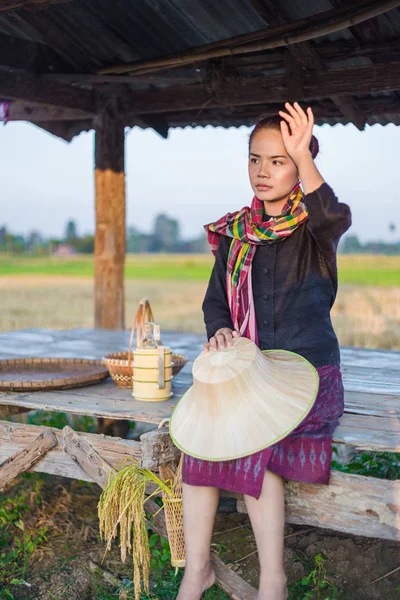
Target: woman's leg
(267,516)
(200,505)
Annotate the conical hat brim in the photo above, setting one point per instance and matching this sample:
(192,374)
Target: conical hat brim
(256,409)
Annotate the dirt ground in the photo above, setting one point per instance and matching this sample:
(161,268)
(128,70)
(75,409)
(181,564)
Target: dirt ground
(60,568)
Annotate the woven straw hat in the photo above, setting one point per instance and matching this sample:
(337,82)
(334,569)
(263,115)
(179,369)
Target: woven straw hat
(242,400)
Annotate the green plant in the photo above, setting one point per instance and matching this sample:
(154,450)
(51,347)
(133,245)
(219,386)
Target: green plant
(382,465)
(17,541)
(315,585)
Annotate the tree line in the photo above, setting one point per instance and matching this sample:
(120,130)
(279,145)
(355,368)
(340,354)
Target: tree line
(164,237)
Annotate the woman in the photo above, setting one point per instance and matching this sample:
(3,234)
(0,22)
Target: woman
(274,281)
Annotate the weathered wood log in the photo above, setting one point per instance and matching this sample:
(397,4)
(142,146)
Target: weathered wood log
(110,222)
(17,436)
(157,449)
(25,459)
(350,503)
(228,580)
(262,90)
(81,452)
(265,39)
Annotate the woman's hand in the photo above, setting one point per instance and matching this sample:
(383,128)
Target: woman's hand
(297,144)
(222,338)
(297,140)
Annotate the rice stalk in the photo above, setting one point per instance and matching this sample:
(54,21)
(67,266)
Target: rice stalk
(122,503)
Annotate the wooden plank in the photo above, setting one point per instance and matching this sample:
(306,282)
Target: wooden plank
(109,247)
(370,357)
(262,90)
(120,406)
(363,431)
(379,405)
(29,88)
(24,459)
(17,436)
(368,432)
(371,380)
(350,503)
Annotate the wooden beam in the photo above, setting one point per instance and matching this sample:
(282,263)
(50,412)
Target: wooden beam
(109,253)
(324,52)
(274,14)
(306,56)
(15,437)
(294,77)
(350,503)
(27,111)
(270,37)
(26,458)
(84,455)
(22,86)
(262,90)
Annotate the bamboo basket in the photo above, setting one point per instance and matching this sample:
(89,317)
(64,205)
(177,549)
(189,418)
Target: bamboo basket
(120,364)
(173,510)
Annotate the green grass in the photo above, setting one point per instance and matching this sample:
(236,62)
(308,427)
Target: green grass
(156,266)
(353,269)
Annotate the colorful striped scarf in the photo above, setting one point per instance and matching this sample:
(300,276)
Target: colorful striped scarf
(248,230)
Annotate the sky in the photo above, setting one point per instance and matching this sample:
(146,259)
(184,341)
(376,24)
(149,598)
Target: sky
(196,175)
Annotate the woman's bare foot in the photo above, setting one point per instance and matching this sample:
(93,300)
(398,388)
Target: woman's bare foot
(273,589)
(195,582)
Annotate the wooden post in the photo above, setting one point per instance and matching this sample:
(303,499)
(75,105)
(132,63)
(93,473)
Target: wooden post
(109,254)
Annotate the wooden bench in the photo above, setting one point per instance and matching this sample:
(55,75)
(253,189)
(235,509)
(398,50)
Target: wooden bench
(351,503)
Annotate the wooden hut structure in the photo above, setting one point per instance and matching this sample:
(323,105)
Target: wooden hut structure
(74,65)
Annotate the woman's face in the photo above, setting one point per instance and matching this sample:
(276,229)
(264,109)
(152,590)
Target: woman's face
(273,174)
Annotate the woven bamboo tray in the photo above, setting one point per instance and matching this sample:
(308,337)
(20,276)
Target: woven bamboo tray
(22,374)
(120,366)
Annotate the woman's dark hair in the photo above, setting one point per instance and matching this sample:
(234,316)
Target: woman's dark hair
(274,123)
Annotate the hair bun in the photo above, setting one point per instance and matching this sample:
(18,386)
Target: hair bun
(314,146)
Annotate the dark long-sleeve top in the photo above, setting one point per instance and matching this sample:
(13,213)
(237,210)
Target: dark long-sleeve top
(294,282)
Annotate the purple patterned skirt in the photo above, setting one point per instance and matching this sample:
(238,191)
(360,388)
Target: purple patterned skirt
(303,455)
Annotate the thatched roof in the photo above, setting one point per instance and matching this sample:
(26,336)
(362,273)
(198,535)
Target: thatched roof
(177,63)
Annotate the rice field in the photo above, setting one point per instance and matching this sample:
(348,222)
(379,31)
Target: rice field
(363,269)
(58,293)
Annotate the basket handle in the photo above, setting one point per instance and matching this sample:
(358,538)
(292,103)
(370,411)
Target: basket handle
(143,314)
